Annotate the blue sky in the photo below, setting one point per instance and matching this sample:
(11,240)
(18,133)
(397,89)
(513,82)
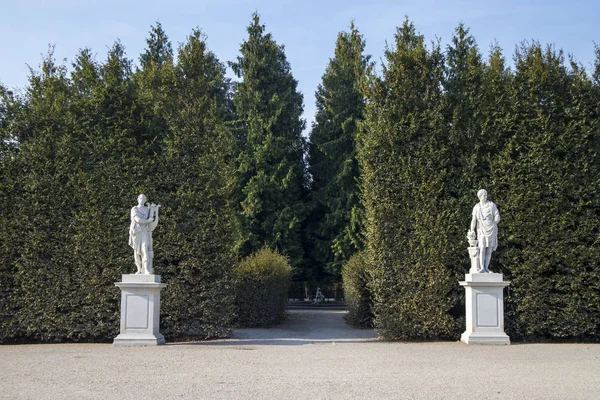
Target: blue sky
(308,28)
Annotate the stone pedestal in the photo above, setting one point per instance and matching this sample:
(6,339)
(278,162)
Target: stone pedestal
(140,311)
(485,309)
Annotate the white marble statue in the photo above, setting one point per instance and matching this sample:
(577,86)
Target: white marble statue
(485,219)
(319,297)
(144,219)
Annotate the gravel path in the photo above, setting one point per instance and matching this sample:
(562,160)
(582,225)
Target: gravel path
(313,355)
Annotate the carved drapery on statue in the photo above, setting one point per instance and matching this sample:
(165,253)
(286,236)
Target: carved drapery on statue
(484,290)
(485,222)
(144,219)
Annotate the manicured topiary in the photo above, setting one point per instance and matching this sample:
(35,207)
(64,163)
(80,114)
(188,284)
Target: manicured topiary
(548,175)
(262,282)
(404,155)
(357,294)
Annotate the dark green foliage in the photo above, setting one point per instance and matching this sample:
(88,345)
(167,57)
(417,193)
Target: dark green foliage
(471,144)
(156,86)
(77,148)
(159,51)
(76,153)
(547,178)
(531,138)
(262,281)
(195,242)
(356,278)
(404,162)
(335,220)
(61,285)
(10,190)
(271,168)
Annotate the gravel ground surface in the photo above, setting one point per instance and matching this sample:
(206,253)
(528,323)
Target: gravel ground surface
(313,355)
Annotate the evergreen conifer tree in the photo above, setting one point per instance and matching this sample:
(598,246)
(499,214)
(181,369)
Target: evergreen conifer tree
(11,193)
(271,169)
(463,86)
(334,223)
(116,160)
(159,51)
(548,174)
(468,164)
(43,210)
(404,155)
(197,182)
(155,83)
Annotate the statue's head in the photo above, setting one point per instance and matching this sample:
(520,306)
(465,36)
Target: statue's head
(482,193)
(142,198)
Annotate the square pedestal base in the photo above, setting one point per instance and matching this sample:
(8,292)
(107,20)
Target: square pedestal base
(140,311)
(139,339)
(484,338)
(484,302)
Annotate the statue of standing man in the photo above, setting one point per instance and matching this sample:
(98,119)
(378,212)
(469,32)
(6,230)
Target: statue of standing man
(485,219)
(144,218)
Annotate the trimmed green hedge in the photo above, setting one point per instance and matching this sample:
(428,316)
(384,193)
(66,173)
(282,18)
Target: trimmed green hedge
(438,127)
(355,274)
(88,143)
(547,178)
(262,281)
(405,163)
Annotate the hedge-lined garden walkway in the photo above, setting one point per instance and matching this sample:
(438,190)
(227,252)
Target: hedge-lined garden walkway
(304,327)
(313,355)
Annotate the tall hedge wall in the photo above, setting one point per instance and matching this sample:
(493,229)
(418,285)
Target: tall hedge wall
(78,145)
(77,150)
(441,125)
(547,178)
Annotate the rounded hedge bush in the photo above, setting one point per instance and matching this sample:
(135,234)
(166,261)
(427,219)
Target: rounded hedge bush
(356,291)
(262,281)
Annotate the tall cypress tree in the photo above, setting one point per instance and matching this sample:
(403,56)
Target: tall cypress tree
(96,262)
(464,94)
(497,119)
(271,169)
(44,209)
(159,51)
(155,82)
(11,192)
(196,239)
(468,165)
(335,208)
(404,157)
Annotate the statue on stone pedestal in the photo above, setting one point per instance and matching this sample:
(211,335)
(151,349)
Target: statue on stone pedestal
(485,219)
(144,219)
